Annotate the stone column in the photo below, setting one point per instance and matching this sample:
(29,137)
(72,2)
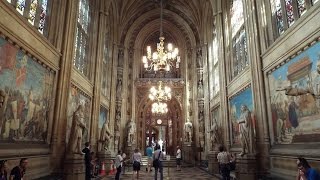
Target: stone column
(246,167)
(213,164)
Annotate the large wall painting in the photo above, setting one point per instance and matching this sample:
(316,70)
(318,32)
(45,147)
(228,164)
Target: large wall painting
(76,98)
(295,98)
(27,89)
(243,98)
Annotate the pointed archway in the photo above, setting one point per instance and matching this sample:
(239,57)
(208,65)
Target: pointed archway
(169,132)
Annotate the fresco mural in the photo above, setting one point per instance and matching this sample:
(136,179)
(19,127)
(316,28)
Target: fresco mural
(295,98)
(77,98)
(27,88)
(243,98)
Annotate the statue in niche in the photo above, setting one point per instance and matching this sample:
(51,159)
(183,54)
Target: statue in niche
(199,58)
(214,134)
(200,88)
(201,121)
(77,131)
(120,57)
(105,137)
(131,131)
(188,131)
(246,131)
(119,89)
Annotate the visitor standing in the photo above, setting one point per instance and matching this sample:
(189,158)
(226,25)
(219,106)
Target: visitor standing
(18,172)
(178,158)
(149,152)
(3,170)
(305,171)
(136,159)
(87,160)
(224,159)
(118,163)
(158,155)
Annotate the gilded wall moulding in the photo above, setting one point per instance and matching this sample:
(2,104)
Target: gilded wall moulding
(146,82)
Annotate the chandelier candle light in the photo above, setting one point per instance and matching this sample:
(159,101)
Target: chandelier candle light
(161,59)
(160,94)
(159,108)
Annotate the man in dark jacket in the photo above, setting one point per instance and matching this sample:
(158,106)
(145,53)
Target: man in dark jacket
(87,160)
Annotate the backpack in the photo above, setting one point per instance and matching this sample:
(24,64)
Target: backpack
(156,162)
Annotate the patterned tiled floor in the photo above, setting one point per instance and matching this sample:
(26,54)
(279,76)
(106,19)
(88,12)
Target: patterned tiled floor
(186,173)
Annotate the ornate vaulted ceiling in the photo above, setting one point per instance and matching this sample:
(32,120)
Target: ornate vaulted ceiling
(183,20)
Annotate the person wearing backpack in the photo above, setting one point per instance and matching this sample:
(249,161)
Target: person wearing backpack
(158,157)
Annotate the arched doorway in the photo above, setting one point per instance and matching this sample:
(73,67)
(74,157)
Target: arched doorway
(164,129)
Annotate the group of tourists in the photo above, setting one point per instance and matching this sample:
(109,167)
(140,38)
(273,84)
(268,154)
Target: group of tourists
(16,173)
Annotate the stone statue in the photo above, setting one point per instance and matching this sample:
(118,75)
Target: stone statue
(131,131)
(2,98)
(199,58)
(214,134)
(200,88)
(76,134)
(119,89)
(188,131)
(246,131)
(105,137)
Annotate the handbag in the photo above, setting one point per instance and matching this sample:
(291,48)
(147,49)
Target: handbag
(231,165)
(156,162)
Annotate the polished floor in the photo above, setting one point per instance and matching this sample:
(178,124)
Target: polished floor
(186,173)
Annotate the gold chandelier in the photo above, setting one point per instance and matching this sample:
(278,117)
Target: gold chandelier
(160,94)
(159,108)
(161,59)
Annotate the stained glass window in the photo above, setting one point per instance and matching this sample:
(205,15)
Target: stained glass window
(236,16)
(33,11)
(286,12)
(20,6)
(289,10)
(81,41)
(301,6)
(43,15)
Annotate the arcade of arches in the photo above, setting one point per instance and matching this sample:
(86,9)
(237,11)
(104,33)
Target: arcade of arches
(248,79)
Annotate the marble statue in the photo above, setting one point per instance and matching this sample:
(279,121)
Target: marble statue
(214,134)
(105,137)
(188,131)
(131,131)
(3,102)
(78,128)
(119,89)
(200,88)
(246,131)
(199,58)
(2,98)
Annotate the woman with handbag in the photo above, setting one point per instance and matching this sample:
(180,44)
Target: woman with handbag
(136,159)
(223,160)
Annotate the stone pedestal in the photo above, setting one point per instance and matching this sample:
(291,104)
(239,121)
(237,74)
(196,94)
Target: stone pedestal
(246,167)
(213,164)
(188,154)
(74,168)
(106,157)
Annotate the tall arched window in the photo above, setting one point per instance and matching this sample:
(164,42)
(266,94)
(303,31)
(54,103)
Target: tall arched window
(214,67)
(80,61)
(239,38)
(286,12)
(106,69)
(35,11)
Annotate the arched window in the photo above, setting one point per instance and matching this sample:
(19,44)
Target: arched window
(239,38)
(35,11)
(214,66)
(286,12)
(106,69)
(80,61)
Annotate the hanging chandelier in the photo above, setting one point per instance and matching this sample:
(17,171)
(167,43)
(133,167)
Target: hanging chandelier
(161,59)
(159,108)
(161,93)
